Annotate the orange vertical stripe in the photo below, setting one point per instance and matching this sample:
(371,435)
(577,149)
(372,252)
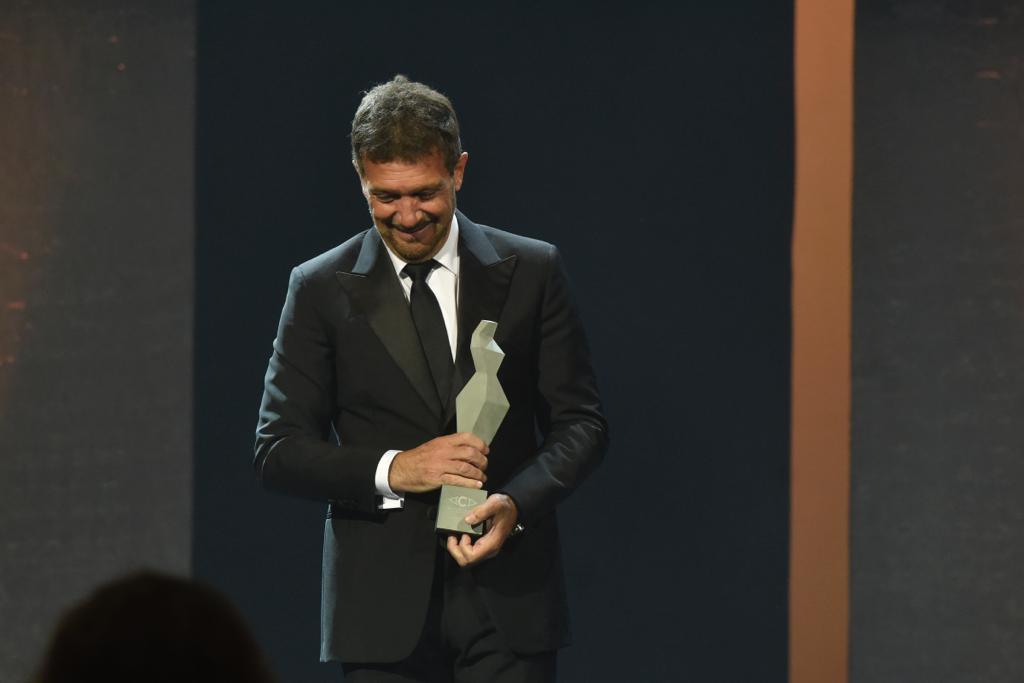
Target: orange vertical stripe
(819,514)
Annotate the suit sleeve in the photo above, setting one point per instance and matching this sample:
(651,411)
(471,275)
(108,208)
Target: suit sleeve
(569,408)
(295,452)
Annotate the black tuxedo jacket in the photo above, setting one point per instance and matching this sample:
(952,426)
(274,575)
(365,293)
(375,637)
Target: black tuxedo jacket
(348,380)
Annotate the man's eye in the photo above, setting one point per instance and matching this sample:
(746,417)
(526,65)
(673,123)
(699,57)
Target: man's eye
(424,196)
(385,198)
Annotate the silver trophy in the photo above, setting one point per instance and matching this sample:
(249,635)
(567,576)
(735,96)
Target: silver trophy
(479,408)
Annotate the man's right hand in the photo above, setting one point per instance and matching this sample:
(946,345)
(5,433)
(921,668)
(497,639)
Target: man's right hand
(459,459)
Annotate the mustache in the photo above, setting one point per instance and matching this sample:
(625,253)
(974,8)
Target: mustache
(427,220)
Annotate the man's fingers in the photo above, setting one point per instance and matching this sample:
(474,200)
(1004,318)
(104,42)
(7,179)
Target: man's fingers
(470,439)
(472,456)
(466,546)
(467,552)
(456,552)
(456,480)
(485,510)
(485,547)
(464,469)
(461,473)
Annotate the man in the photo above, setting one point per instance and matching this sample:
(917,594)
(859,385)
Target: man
(372,349)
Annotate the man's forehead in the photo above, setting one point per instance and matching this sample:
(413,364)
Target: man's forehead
(408,175)
(433,158)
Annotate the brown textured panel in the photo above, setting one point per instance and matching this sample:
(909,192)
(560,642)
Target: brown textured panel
(819,552)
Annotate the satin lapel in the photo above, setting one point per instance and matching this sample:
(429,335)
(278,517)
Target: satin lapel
(484,279)
(375,291)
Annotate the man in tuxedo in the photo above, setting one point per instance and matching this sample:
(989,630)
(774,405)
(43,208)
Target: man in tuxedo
(359,404)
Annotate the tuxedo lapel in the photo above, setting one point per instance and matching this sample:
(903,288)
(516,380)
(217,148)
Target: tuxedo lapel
(484,279)
(375,291)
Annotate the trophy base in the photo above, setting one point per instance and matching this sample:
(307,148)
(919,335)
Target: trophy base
(455,503)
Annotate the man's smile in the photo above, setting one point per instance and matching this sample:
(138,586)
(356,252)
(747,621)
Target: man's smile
(413,230)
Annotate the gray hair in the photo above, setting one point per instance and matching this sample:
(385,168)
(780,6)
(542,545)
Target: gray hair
(404,120)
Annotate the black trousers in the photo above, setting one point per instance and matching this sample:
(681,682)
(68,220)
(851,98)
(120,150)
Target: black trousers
(459,643)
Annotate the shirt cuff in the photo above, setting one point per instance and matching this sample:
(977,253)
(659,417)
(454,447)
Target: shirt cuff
(390,500)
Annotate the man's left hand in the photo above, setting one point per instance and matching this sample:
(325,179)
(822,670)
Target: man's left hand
(503,514)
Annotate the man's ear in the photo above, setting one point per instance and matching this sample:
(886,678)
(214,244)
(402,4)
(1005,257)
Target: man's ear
(460,170)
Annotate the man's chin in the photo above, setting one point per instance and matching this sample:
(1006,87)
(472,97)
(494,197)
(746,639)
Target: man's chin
(407,251)
(414,255)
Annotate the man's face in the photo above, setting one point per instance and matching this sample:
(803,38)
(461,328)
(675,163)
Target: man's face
(412,203)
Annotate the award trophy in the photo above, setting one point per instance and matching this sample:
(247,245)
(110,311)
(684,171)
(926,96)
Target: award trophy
(479,408)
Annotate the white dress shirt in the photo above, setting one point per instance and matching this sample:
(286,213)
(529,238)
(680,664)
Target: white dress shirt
(444,283)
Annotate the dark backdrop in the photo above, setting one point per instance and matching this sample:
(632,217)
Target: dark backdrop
(654,146)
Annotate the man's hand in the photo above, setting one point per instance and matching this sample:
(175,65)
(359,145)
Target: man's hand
(502,512)
(459,459)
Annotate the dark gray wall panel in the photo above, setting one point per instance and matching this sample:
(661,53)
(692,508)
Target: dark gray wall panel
(96,254)
(938,362)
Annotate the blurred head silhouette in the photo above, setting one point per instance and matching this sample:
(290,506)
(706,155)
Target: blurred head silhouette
(152,628)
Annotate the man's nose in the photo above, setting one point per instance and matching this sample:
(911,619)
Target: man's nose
(408,213)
